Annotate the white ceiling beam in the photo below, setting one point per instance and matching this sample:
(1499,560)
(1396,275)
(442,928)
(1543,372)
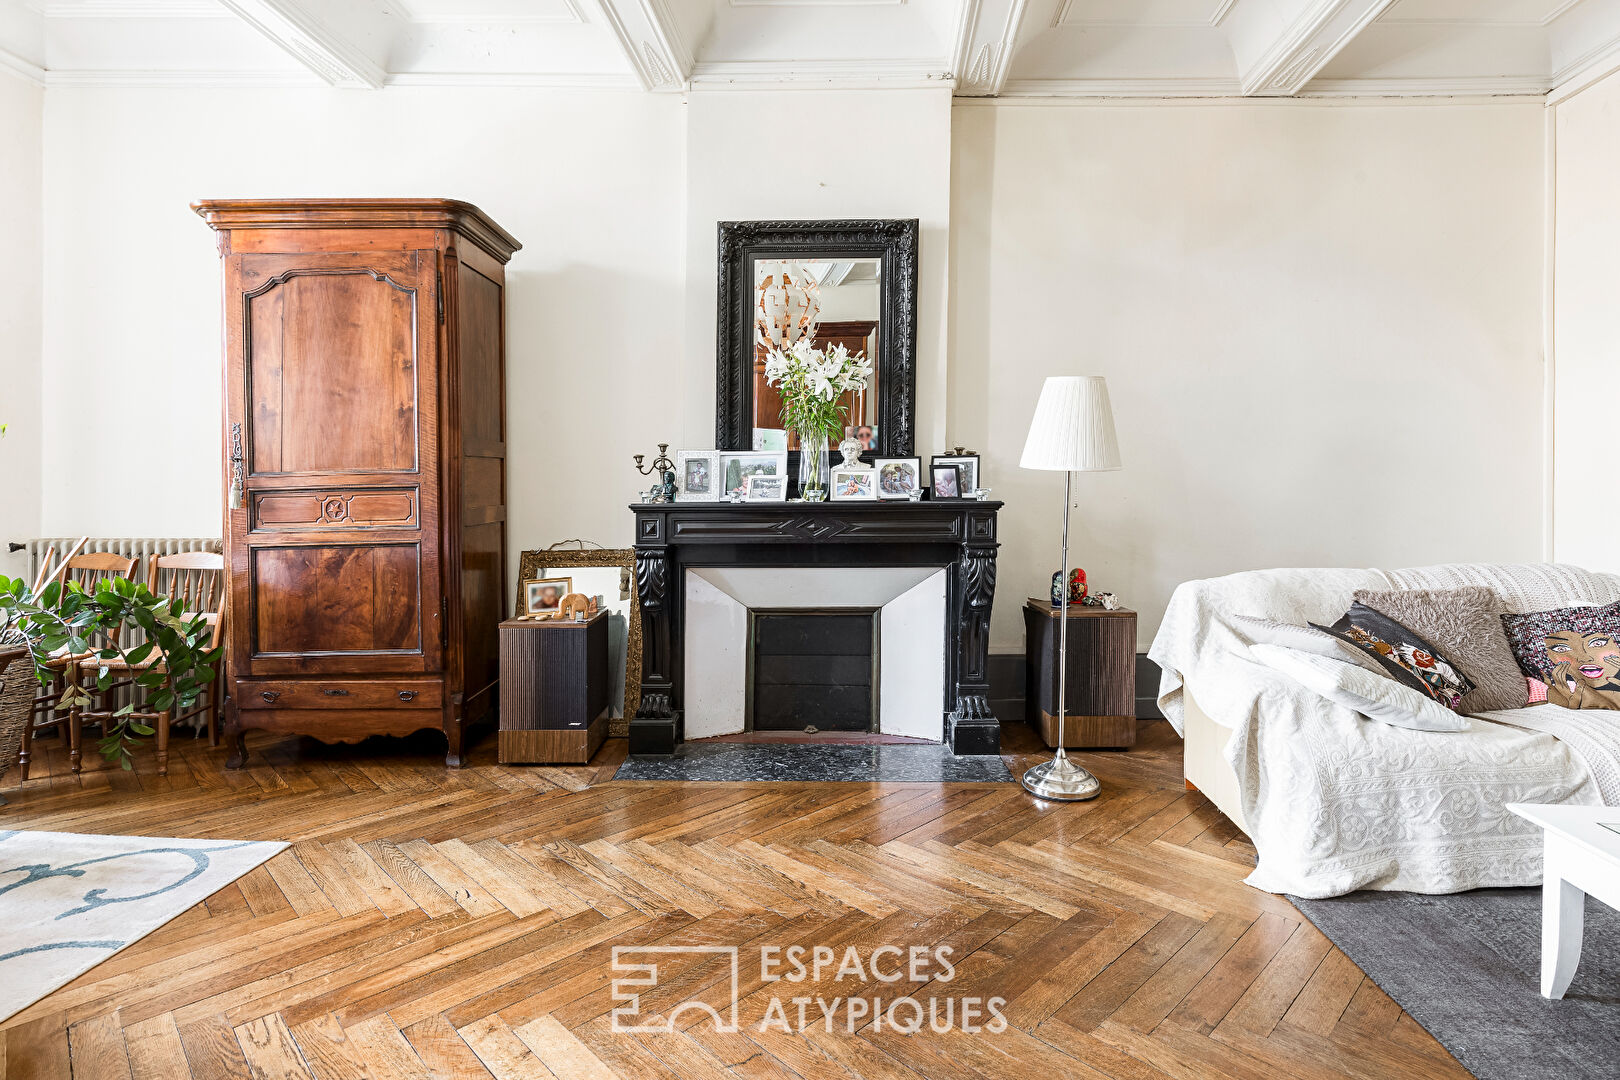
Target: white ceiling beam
(1280,45)
(332,54)
(647,33)
(986,36)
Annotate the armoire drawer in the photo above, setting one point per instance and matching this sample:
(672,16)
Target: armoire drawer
(382,693)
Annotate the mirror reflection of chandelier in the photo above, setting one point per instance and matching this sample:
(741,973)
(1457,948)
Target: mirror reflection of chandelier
(787,305)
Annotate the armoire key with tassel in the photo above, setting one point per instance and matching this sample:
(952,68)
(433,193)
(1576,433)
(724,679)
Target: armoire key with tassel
(365,471)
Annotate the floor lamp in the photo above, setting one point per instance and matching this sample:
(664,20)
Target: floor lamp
(1073,431)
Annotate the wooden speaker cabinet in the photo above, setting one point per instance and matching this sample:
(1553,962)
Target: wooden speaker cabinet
(554,686)
(1100,695)
(365,441)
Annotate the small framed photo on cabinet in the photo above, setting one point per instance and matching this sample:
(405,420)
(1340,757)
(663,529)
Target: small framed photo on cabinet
(543,596)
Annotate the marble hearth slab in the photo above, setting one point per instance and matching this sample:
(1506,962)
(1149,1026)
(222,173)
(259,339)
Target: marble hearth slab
(861,764)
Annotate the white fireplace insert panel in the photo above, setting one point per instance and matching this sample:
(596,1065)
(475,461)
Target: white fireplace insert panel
(911,638)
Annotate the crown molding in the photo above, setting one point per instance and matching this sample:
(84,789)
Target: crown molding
(1596,65)
(864,74)
(584,80)
(1316,35)
(986,35)
(337,61)
(1121,88)
(22,67)
(134,9)
(150,79)
(647,34)
(1304,101)
(1516,86)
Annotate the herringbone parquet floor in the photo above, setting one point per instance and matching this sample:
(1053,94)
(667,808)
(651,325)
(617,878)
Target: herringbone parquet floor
(430,923)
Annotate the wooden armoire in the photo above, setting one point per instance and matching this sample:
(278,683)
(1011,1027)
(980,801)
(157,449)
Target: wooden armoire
(365,473)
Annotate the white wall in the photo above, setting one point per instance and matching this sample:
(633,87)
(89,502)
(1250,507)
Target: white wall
(1321,328)
(1322,325)
(591,183)
(748,158)
(1586,326)
(21,112)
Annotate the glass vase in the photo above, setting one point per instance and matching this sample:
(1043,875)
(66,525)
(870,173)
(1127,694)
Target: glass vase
(813,465)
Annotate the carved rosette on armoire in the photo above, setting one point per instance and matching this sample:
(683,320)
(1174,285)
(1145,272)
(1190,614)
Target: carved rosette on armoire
(365,528)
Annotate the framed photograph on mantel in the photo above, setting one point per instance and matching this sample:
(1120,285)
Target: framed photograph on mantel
(737,467)
(697,476)
(765,489)
(854,485)
(898,477)
(967,465)
(947,481)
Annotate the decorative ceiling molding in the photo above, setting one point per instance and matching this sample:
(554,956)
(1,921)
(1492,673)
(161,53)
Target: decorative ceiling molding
(22,67)
(1121,88)
(647,34)
(1312,32)
(1596,64)
(985,38)
(863,74)
(134,9)
(333,58)
(1065,15)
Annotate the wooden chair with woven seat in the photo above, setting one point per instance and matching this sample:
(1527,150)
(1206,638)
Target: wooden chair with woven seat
(197,580)
(87,569)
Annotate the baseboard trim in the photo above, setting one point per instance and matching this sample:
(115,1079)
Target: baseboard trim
(1006,671)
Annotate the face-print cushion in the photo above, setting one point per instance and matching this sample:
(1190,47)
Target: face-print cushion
(1575,651)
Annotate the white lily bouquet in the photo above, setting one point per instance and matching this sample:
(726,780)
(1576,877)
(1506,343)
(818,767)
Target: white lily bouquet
(813,383)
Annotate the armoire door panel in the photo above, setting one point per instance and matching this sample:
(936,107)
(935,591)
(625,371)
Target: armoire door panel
(337,600)
(332,366)
(334,508)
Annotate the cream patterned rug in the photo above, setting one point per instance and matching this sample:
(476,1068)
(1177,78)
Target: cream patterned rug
(68,901)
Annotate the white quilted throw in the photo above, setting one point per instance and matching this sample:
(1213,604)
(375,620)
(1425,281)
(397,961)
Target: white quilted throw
(1336,802)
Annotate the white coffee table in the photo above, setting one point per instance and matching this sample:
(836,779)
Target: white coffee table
(1582,858)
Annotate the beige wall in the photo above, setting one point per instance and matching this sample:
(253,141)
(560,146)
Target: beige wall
(1321,328)
(1321,324)
(591,183)
(21,110)
(1586,326)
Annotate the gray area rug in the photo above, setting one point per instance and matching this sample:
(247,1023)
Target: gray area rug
(1468,968)
(734,761)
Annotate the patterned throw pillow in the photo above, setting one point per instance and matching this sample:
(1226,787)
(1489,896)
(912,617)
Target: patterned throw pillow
(1575,651)
(1406,657)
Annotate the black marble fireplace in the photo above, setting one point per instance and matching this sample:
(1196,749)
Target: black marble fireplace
(956,534)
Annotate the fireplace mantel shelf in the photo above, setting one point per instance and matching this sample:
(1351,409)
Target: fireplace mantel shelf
(956,534)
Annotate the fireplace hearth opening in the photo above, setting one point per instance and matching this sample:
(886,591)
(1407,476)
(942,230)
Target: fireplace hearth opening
(813,670)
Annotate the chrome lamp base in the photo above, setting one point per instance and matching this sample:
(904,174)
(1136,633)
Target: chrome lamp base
(1061,780)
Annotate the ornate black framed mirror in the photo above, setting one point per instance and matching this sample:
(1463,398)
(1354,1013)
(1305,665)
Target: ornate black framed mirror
(841,282)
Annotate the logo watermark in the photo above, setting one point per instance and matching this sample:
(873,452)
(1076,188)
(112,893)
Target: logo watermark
(864,985)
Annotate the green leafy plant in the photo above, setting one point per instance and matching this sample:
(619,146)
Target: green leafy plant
(65,619)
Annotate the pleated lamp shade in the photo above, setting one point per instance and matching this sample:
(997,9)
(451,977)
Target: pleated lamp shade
(1073,429)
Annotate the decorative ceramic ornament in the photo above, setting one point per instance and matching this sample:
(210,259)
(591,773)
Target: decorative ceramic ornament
(1077,586)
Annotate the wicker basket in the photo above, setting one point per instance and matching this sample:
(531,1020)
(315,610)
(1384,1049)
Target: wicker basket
(17,690)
